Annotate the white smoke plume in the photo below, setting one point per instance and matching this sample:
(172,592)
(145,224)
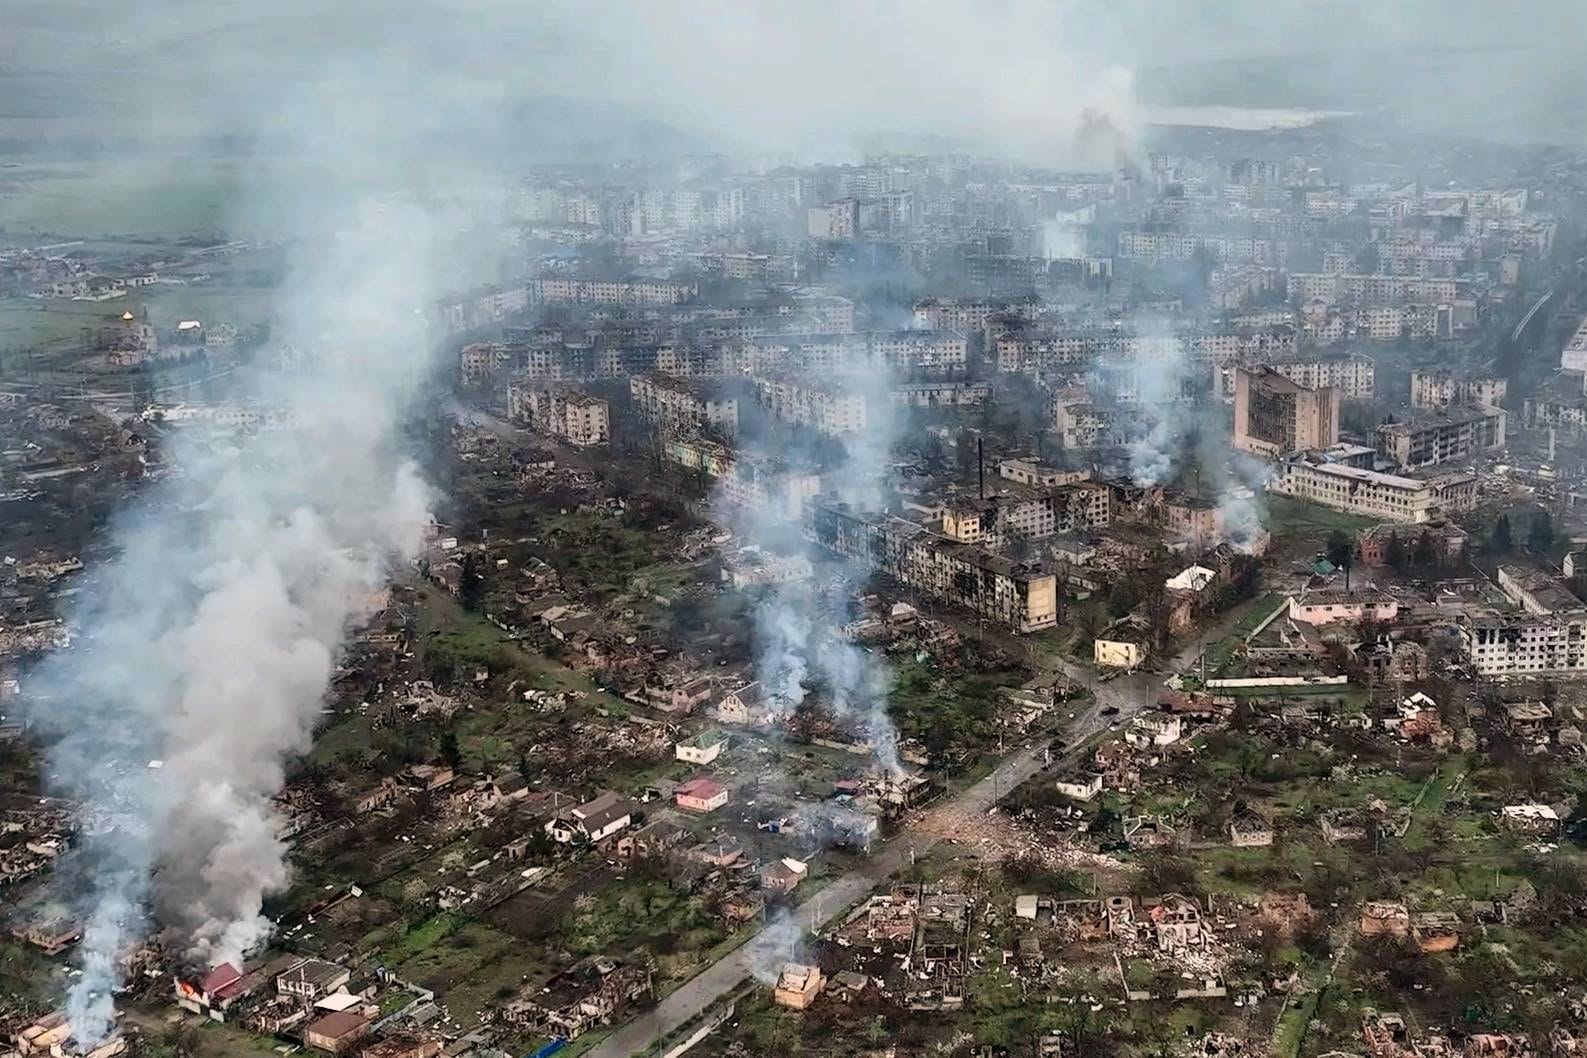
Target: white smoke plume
(1153,382)
(1239,504)
(779,941)
(798,645)
(208,641)
(1179,432)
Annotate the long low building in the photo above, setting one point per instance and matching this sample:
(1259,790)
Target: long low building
(1023,597)
(1357,490)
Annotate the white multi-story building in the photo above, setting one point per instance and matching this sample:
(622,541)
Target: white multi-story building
(1154,246)
(1574,356)
(835,220)
(678,407)
(1448,437)
(1568,415)
(1389,496)
(1079,423)
(939,394)
(1441,389)
(821,406)
(1525,644)
(934,314)
(551,290)
(746,482)
(1023,597)
(576,417)
(1031,472)
(1352,377)
(922,352)
(1372,288)
(1034,515)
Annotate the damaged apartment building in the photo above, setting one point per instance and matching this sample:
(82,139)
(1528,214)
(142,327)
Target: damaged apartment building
(1545,632)
(1021,596)
(574,416)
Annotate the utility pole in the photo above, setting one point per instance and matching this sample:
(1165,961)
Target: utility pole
(980,467)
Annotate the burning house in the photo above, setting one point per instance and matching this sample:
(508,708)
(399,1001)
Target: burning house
(215,993)
(834,825)
(899,793)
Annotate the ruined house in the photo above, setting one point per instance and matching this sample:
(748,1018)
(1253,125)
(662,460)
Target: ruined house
(1435,931)
(652,839)
(1175,921)
(1250,830)
(1383,918)
(938,956)
(591,992)
(797,986)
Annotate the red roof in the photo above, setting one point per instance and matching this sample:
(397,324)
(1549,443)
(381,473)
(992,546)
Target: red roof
(701,788)
(220,977)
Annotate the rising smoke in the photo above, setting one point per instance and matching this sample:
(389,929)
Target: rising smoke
(798,643)
(206,645)
(779,941)
(1180,433)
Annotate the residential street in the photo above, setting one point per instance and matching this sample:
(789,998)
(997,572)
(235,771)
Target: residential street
(1129,694)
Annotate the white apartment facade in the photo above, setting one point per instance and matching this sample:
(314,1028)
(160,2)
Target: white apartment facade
(578,418)
(676,407)
(1441,389)
(1391,497)
(1524,644)
(823,408)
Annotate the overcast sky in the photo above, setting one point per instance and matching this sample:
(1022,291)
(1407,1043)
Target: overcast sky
(807,75)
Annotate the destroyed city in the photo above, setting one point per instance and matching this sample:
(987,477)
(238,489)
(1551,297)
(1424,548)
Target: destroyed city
(869,529)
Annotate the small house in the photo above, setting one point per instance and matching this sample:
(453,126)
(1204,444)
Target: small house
(701,794)
(591,822)
(702,748)
(797,986)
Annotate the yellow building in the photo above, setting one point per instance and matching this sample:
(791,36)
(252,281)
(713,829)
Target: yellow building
(1118,653)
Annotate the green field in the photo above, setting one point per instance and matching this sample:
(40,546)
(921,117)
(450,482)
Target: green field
(164,197)
(28,323)
(1291,517)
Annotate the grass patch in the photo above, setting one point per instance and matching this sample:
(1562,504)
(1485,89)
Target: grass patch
(1288,516)
(422,937)
(1290,1031)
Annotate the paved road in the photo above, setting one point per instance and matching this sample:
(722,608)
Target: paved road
(700,992)
(1113,702)
(1129,694)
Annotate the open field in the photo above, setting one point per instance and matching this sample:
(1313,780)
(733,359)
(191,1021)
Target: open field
(1289,517)
(162,198)
(29,323)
